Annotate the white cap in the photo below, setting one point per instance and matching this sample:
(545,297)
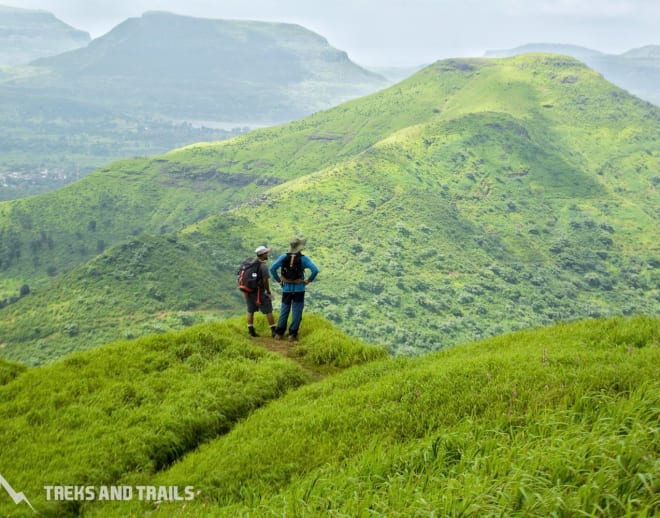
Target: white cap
(262,250)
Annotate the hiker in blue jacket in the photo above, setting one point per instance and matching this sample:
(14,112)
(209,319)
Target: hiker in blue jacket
(291,277)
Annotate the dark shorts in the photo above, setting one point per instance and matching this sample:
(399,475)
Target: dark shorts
(265,306)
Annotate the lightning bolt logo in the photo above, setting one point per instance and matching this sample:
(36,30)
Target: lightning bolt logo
(16,497)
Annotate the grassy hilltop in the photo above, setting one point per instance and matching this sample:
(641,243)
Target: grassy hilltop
(559,420)
(475,198)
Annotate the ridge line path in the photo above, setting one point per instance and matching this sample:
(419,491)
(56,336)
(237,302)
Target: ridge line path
(288,350)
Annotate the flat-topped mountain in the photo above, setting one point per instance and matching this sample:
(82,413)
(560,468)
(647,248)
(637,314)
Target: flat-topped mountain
(185,67)
(26,35)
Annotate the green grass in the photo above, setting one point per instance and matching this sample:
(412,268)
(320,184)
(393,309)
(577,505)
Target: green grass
(134,407)
(554,421)
(9,371)
(561,420)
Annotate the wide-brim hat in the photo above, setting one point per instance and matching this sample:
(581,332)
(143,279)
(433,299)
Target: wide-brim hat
(297,244)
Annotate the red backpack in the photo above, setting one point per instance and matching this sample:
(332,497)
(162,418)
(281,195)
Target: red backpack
(249,275)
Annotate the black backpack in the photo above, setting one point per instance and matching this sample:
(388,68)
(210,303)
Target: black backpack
(292,267)
(249,275)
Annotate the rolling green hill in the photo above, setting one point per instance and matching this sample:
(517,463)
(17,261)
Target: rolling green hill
(560,420)
(475,198)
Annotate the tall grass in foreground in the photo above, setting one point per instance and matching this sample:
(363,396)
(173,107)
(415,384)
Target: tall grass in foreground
(323,344)
(120,413)
(561,421)
(130,408)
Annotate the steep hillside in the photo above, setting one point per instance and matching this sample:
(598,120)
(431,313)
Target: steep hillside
(55,231)
(561,420)
(26,35)
(637,71)
(477,197)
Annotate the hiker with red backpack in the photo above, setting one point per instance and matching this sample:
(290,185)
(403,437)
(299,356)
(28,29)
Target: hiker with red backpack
(291,277)
(253,278)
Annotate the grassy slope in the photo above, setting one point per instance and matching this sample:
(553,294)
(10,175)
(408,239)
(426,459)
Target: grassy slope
(477,223)
(475,198)
(133,407)
(165,193)
(555,420)
(9,371)
(116,295)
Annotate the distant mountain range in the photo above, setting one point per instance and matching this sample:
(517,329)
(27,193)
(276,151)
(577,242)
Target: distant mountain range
(637,70)
(159,82)
(476,197)
(26,35)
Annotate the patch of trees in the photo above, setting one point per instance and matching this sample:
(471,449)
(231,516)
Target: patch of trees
(24,291)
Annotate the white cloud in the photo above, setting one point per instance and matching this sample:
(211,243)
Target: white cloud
(595,9)
(589,8)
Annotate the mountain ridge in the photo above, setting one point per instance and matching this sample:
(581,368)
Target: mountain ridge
(647,51)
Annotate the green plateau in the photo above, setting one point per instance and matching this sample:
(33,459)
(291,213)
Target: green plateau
(559,420)
(476,198)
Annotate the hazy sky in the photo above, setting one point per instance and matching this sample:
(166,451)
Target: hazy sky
(404,32)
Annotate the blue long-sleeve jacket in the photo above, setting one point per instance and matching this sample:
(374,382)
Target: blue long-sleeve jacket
(291,287)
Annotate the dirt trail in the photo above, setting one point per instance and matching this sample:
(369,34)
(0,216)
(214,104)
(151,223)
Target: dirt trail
(288,350)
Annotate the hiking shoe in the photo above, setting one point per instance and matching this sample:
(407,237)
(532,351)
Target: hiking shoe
(277,336)
(252,332)
(293,338)
(273,333)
